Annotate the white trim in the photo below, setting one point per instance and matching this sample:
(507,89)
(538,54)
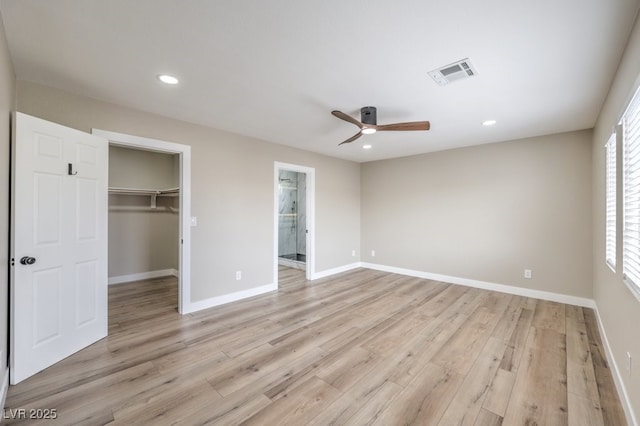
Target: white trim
(338,270)
(632,288)
(502,288)
(310,211)
(617,378)
(184,244)
(119,279)
(231,297)
(4,388)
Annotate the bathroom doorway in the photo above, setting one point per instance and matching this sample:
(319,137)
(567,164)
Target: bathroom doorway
(294,204)
(292,224)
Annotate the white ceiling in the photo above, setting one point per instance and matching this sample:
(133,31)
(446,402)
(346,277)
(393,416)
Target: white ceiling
(275,69)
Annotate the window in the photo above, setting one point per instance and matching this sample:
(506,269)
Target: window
(631,194)
(610,190)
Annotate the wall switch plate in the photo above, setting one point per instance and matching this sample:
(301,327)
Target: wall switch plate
(353,253)
(238,275)
(373,253)
(527,274)
(194,221)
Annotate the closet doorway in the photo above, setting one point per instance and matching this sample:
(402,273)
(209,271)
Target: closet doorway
(144,195)
(149,199)
(294,202)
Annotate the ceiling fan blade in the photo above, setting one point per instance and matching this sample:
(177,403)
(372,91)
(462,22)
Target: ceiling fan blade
(346,117)
(413,125)
(351,139)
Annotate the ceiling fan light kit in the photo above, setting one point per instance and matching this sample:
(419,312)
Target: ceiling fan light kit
(368,123)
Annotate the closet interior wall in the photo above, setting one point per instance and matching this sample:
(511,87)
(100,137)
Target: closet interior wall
(143,234)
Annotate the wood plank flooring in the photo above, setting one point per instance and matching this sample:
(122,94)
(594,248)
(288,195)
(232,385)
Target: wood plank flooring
(362,347)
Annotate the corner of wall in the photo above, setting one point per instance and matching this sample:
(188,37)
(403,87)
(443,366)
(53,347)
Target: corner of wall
(625,399)
(616,310)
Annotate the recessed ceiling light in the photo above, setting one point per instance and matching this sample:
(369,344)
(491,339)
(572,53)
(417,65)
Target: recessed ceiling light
(366,146)
(489,122)
(368,131)
(167,79)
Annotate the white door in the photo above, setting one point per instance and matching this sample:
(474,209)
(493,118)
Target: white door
(59,244)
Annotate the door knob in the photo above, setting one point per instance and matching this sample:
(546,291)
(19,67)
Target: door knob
(27,260)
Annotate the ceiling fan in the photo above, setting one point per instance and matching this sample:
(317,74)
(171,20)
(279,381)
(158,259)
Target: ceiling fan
(369,123)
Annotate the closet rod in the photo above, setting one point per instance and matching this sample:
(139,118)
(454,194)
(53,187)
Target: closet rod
(140,191)
(153,193)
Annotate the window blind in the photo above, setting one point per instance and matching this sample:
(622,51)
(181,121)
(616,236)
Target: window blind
(631,193)
(610,190)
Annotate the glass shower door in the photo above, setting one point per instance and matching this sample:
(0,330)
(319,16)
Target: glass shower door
(292,219)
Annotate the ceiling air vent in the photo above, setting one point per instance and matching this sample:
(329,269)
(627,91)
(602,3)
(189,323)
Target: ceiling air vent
(459,70)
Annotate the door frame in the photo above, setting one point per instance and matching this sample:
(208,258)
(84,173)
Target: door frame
(184,220)
(310,173)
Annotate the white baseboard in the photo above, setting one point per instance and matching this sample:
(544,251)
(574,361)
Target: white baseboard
(338,270)
(4,387)
(256,291)
(502,288)
(228,298)
(143,276)
(617,378)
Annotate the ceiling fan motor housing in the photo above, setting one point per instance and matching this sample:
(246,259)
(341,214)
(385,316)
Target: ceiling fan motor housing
(368,115)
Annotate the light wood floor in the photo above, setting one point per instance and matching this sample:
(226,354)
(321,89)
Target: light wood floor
(364,347)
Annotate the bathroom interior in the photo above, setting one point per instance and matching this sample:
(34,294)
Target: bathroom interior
(292,229)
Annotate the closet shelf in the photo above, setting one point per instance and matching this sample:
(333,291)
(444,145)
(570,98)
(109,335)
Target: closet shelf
(153,193)
(167,209)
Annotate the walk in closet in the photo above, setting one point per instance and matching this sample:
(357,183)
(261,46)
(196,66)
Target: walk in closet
(143,214)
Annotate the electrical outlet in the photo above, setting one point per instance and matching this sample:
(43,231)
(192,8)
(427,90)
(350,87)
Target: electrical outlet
(373,253)
(238,275)
(629,363)
(353,253)
(527,274)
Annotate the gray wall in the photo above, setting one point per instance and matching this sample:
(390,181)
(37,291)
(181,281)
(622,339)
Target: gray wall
(142,239)
(232,190)
(7,105)
(486,213)
(618,308)
(136,168)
